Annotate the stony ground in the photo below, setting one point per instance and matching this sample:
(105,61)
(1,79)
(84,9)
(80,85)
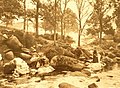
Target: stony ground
(110,79)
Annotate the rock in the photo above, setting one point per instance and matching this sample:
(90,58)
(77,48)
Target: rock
(29,40)
(8,86)
(47,36)
(8,68)
(34,62)
(44,61)
(53,51)
(41,40)
(38,60)
(21,66)
(26,38)
(84,71)
(76,73)
(111,48)
(118,53)
(66,85)
(111,55)
(25,50)
(9,55)
(19,35)
(1,57)
(4,37)
(43,70)
(66,63)
(68,53)
(108,63)
(25,56)
(1,63)
(35,57)
(33,71)
(118,46)
(96,66)
(38,47)
(93,85)
(117,59)
(14,43)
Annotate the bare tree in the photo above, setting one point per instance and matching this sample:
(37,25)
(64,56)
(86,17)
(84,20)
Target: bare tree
(84,13)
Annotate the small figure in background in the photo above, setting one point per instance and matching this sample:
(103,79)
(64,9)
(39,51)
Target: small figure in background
(95,56)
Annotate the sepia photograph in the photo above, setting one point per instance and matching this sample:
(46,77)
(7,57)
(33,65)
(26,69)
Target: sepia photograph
(59,44)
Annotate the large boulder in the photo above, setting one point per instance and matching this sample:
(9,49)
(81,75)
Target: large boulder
(53,51)
(21,66)
(26,38)
(9,55)
(19,35)
(61,62)
(14,43)
(16,66)
(68,53)
(29,40)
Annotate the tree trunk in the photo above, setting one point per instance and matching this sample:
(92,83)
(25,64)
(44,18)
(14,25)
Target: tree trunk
(62,28)
(64,31)
(55,26)
(27,25)
(37,9)
(79,29)
(24,27)
(101,29)
(79,33)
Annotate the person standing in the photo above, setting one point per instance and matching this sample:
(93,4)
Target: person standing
(95,56)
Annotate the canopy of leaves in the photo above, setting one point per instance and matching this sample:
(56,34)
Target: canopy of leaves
(70,20)
(100,13)
(47,11)
(116,12)
(11,6)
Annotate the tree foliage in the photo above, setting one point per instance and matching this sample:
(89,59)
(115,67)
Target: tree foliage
(100,20)
(12,6)
(70,21)
(116,13)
